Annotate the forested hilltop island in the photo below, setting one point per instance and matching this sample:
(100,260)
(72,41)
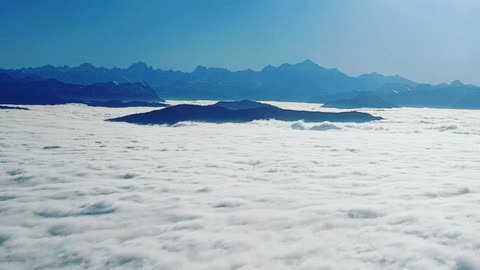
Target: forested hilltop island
(304,82)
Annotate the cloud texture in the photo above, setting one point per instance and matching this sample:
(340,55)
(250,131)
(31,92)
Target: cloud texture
(77,192)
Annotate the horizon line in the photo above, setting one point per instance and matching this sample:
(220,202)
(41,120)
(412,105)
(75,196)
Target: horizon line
(307,60)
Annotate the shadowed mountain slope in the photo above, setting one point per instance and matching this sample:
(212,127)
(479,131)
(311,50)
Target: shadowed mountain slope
(51,91)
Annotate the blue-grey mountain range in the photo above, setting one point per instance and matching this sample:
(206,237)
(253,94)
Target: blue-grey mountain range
(305,82)
(29,91)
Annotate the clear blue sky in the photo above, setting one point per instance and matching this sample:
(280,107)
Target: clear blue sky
(425,40)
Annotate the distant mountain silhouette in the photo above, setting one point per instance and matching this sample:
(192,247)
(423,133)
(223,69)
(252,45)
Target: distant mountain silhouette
(242,105)
(305,82)
(12,108)
(455,96)
(42,92)
(233,112)
(358,100)
(121,104)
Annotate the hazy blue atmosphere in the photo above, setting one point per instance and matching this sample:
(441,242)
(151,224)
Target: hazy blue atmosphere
(239,134)
(427,41)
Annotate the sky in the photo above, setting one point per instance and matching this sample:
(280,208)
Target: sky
(428,41)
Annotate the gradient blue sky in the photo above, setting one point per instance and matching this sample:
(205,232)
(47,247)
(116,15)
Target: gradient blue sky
(428,41)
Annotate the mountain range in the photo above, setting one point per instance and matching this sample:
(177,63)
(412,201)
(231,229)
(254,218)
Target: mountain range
(30,91)
(305,82)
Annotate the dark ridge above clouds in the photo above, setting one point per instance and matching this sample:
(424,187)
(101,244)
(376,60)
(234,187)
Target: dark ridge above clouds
(238,112)
(12,108)
(29,91)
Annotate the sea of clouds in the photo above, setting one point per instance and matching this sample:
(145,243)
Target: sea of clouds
(77,192)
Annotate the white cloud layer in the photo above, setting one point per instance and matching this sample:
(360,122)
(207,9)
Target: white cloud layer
(77,192)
